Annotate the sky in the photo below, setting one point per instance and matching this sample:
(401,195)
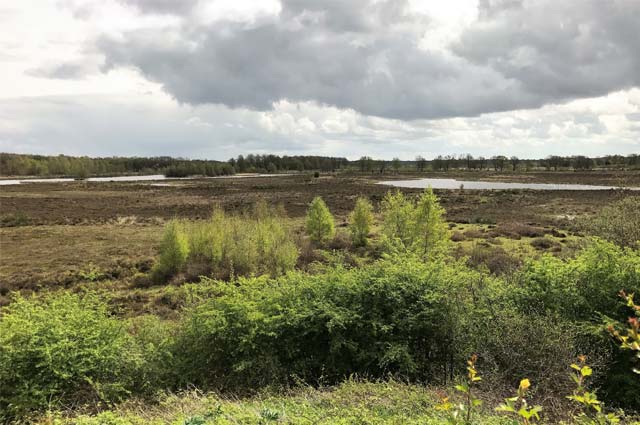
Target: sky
(384,78)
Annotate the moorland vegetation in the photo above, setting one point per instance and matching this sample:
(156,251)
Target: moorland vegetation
(406,331)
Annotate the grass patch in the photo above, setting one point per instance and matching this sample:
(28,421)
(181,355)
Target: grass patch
(352,402)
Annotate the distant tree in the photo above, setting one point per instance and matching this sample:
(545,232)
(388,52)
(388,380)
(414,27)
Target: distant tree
(438,163)
(514,162)
(482,162)
(366,163)
(499,162)
(581,162)
(421,163)
(395,164)
(320,223)
(554,162)
(360,221)
(449,162)
(469,160)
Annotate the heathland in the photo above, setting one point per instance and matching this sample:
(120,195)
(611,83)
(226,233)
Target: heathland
(319,299)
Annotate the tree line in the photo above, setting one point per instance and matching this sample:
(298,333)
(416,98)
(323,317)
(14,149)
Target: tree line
(274,163)
(81,167)
(498,163)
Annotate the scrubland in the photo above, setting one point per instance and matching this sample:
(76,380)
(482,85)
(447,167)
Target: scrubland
(278,301)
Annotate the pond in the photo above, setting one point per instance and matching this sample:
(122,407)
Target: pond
(149,178)
(488,185)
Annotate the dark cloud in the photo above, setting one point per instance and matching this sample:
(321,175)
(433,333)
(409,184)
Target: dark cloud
(558,49)
(366,55)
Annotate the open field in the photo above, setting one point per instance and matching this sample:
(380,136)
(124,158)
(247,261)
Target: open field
(91,252)
(65,231)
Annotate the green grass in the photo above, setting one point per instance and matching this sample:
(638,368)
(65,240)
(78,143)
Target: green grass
(351,402)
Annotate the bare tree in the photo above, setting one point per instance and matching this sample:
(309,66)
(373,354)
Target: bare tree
(514,162)
(499,162)
(395,163)
(469,158)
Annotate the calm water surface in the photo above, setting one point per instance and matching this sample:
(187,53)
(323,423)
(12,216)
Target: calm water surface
(455,184)
(151,178)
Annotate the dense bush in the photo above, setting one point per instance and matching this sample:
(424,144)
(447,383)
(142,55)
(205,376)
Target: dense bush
(396,316)
(360,221)
(494,258)
(320,223)
(580,288)
(64,350)
(618,222)
(399,316)
(582,292)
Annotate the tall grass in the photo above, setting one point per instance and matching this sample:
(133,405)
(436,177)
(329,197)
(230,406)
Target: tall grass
(174,251)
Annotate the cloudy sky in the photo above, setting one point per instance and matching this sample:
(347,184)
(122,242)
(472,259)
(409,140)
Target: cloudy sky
(217,78)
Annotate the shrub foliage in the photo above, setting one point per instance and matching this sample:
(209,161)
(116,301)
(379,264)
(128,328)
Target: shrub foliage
(63,350)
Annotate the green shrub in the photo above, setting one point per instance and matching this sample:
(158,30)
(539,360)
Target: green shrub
(583,291)
(320,224)
(174,250)
(63,350)
(396,316)
(618,222)
(360,221)
(155,343)
(580,288)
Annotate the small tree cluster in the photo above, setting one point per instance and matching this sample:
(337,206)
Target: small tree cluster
(225,246)
(418,226)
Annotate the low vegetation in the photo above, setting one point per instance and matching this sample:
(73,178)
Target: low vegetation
(396,326)
(618,222)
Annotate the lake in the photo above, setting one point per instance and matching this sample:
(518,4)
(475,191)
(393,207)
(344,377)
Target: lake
(488,185)
(150,178)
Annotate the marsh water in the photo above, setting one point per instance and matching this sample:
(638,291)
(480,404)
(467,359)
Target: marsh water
(149,178)
(488,185)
